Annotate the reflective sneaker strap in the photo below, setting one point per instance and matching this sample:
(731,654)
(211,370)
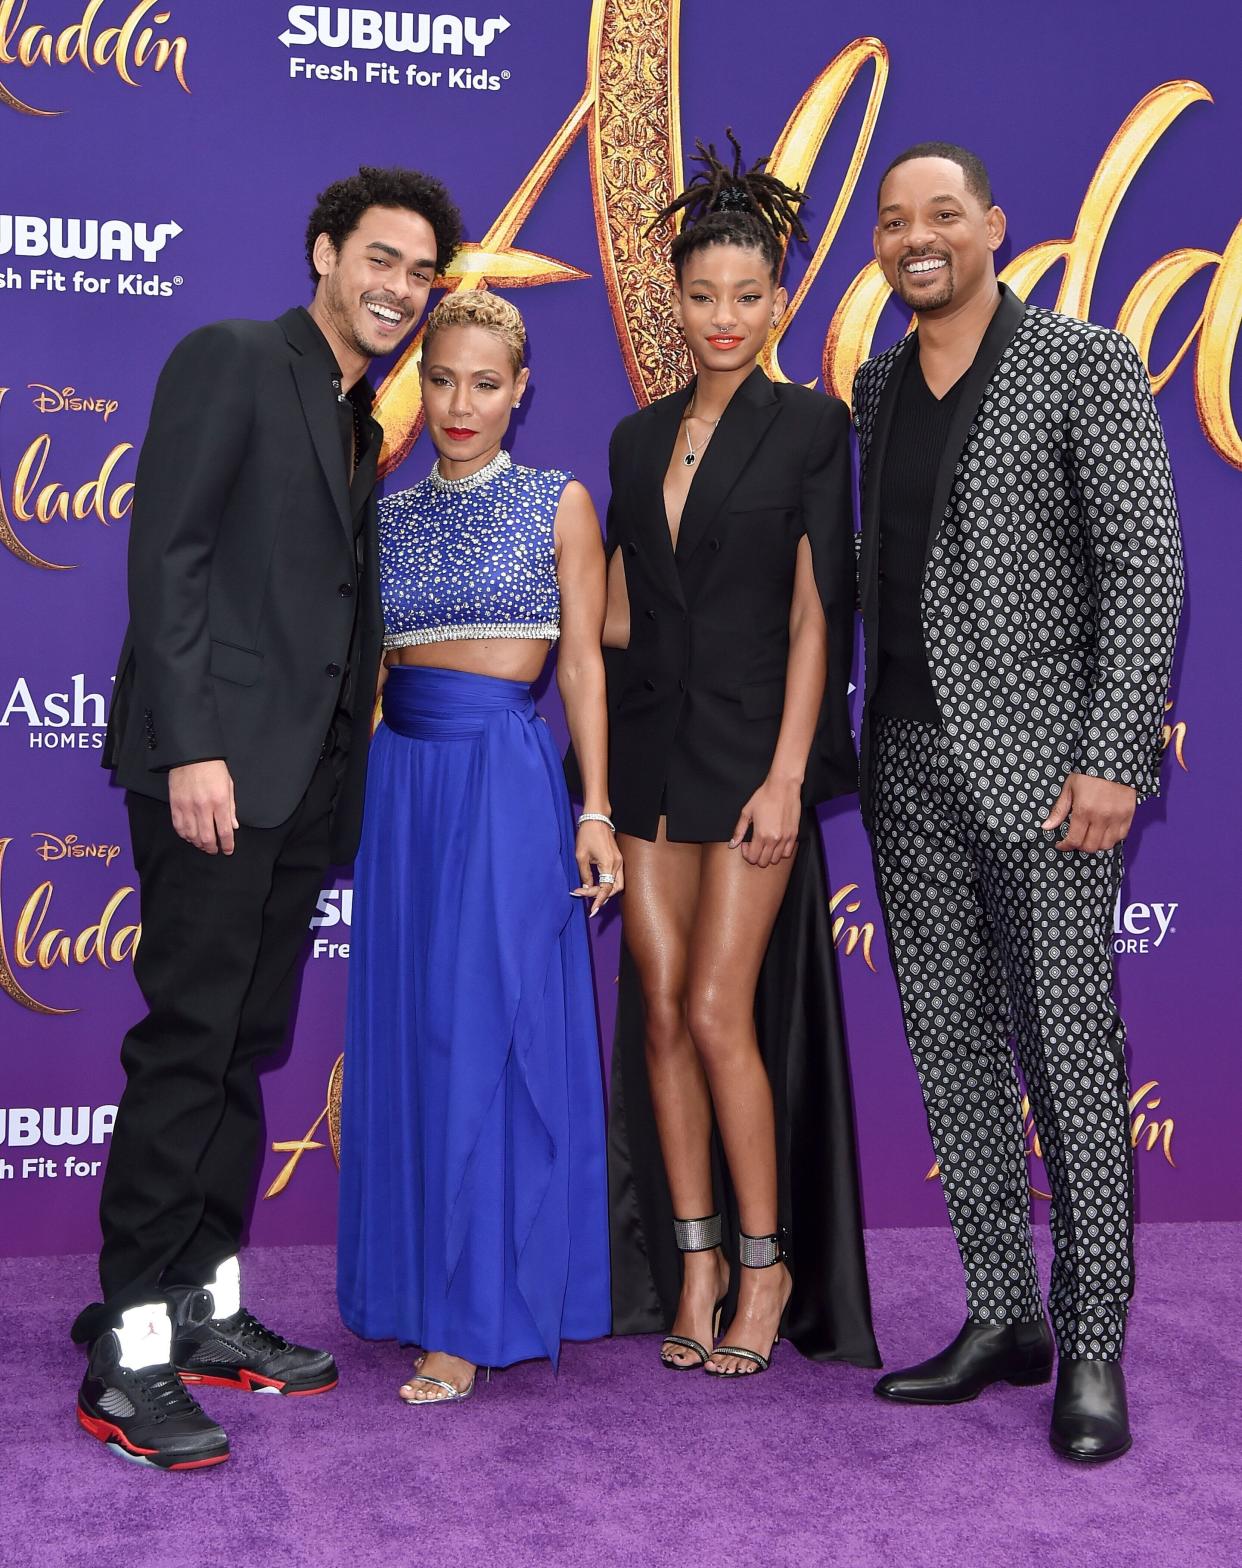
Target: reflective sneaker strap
(145,1336)
(225,1289)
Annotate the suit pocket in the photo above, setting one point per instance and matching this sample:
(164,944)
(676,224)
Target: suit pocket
(763,699)
(241,666)
(1051,652)
(639,694)
(756,503)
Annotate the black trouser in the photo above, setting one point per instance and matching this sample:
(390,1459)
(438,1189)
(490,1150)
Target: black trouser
(217,965)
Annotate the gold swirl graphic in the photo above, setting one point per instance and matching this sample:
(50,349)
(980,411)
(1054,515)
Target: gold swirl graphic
(636,170)
(336,1079)
(295,1148)
(494,261)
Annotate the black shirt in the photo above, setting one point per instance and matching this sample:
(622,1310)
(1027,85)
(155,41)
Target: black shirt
(912,456)
(360,436)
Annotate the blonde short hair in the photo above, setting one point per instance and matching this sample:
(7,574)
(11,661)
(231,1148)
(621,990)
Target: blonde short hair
(481,308)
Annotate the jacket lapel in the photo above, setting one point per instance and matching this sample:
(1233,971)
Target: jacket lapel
(743,425)
(310,376)
(869,555)
(651,460)
(996,340)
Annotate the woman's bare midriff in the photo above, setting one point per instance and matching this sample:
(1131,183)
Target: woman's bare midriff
(505,658)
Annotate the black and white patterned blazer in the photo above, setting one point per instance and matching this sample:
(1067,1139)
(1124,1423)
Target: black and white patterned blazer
(1053,579)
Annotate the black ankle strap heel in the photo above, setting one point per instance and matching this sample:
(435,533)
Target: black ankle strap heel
(753,1252)
(701,1235)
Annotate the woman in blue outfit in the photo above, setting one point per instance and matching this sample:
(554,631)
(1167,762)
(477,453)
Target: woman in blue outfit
(473,1218)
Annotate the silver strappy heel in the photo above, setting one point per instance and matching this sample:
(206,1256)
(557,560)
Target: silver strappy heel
(452,1395)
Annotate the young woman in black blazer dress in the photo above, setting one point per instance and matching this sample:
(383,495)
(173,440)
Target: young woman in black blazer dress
(729,630)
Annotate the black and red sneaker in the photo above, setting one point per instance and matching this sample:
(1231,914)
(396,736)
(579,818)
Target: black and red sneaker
(146,1416)
(239,1352)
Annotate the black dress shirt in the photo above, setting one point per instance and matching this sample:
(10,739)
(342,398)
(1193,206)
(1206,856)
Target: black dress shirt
(360,446)
(915,446)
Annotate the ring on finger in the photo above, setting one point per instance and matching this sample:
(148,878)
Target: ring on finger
(606,879)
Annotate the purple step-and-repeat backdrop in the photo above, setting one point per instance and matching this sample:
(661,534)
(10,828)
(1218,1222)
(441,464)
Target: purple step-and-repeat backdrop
(160,159)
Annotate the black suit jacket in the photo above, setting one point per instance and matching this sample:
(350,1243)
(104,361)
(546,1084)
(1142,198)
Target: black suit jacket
(696,699)
(252,576)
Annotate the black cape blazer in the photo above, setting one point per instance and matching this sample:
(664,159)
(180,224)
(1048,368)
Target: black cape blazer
(696,699)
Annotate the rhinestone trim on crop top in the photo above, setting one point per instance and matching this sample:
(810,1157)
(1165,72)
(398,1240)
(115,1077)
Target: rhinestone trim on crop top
(473,557)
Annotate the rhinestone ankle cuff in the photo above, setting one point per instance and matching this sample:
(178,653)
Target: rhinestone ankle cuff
(697,1235)
(758,1252)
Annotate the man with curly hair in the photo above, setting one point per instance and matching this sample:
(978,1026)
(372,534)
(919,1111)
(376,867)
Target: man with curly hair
(239,730)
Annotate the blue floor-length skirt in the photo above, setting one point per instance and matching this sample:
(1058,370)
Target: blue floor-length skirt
(473,1199)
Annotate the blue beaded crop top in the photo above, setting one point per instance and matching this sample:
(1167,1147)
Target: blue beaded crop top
(473,557)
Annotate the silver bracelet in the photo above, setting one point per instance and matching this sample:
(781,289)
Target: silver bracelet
(597,816)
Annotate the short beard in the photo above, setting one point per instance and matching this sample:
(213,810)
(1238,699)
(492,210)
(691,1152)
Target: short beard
(924,302)
(339,311)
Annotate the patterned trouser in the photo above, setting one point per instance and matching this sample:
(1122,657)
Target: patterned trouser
(992,938)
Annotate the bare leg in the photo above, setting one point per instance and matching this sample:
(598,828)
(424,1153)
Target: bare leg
(737,907)
(661,894)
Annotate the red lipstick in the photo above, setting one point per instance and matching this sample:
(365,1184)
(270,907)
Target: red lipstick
(458,433)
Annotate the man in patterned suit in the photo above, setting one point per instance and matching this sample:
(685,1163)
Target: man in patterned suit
(1021,581)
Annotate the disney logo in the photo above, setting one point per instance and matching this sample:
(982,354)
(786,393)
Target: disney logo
(70,848)
(61,400)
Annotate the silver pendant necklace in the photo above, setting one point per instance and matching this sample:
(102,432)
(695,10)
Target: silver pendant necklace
(692,453)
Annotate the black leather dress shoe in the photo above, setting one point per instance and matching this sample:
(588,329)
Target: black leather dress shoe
(1089,1418)
(982,1354)
(239,1352)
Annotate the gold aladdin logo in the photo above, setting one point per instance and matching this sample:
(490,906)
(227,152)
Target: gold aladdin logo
(32,496)
(1173,737)
(847,938)
(630,114)
(1146,1131)
(133,44)
(40,945)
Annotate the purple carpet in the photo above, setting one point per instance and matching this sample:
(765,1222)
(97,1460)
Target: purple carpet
(619,1462)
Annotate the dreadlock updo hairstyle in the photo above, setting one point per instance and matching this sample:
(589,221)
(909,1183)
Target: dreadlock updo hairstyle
(481,308)
(734,206)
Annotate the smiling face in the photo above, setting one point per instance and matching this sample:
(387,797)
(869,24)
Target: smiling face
(727,302)
(373,290)
(934,239)
(470,386)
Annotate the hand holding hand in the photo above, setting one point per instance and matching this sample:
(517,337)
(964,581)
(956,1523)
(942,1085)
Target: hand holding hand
(773,812)
(200,797)
(597,846)
(1100,812)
